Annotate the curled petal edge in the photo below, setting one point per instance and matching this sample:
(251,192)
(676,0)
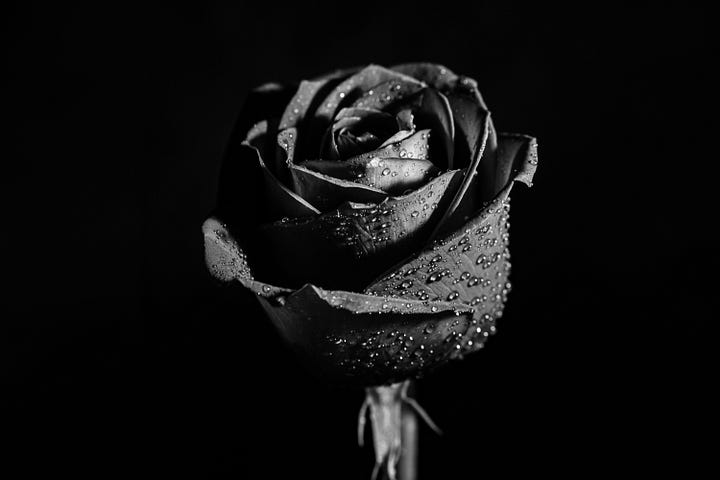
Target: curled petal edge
(227,262)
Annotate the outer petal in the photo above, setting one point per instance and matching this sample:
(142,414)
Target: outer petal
(308,96)
(347,247)
(350,337)
(437,76)
(471,264)
(262,103)
(385,94)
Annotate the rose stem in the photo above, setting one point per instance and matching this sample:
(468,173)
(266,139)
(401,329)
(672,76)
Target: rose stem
(408,458)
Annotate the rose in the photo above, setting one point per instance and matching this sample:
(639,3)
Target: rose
(368,210)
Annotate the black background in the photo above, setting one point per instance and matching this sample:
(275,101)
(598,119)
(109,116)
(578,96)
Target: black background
(120,354)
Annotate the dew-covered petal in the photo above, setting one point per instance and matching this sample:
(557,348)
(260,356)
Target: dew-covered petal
(308,95)
(227,261)
(345,336)
(347,247)
(365,340)
(392,175)
(325,192)
(437,76)
(471,265)
(416,146)
(386,94)
(354,86)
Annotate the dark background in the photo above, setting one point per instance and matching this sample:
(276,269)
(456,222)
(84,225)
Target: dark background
(120,354)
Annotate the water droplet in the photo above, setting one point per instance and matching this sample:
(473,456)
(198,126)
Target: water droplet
(434,308)
(386,171)
(453,295)
(266,288)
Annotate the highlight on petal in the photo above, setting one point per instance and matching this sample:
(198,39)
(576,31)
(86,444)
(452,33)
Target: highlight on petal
(391,175)
(351,337)
(415,146)
(325,192)
(348,246)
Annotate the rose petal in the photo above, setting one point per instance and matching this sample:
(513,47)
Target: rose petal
(391,175)
(399,136)
(476,144)
(413,146)
(437,76)
(435,114)
(386,94)
(325,192)
(358,121)
(307,97)
(262,103)
(278,201)
(350,337)
(517,157)
(355,86)
(347,247)
(246,180)
(405,120)
(471,265)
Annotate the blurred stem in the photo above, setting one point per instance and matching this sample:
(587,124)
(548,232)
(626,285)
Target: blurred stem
(407,468)
(394,430)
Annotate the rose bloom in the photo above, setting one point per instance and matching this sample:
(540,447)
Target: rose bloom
(368,211)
